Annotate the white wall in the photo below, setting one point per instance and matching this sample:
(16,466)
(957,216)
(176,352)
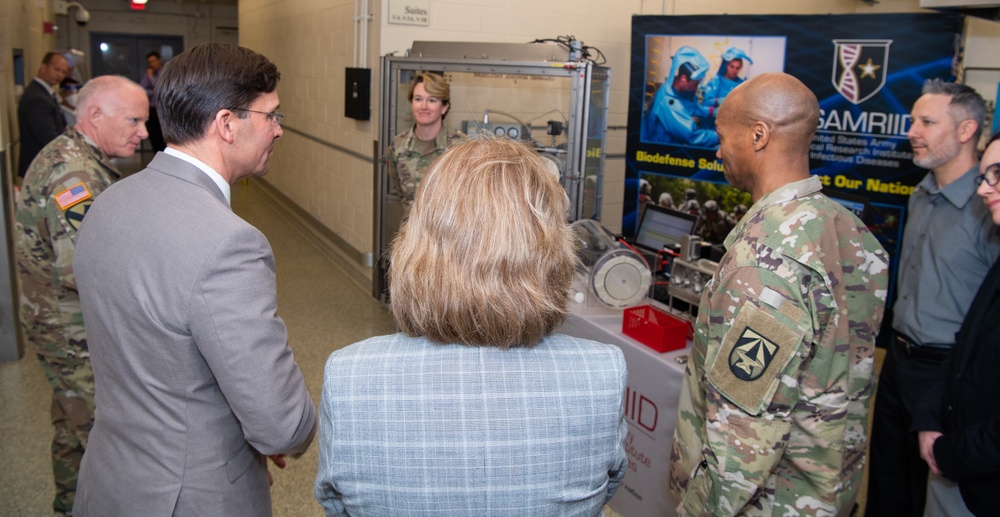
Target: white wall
(324,160)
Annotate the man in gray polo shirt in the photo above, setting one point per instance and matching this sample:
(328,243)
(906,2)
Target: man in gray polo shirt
(948,247)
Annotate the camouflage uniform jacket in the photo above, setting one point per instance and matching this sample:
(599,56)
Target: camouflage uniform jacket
(407,164)
(773,410)
(46,233)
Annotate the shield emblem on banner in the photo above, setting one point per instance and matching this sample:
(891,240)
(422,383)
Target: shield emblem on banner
(859,67)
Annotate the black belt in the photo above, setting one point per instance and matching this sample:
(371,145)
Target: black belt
(927,352)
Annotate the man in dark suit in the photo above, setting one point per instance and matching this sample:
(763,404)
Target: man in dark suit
(195,382)
(39,117)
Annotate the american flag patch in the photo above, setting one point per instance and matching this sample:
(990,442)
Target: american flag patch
(72,196)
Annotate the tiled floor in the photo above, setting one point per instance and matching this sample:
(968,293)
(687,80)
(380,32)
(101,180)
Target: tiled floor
(323,309)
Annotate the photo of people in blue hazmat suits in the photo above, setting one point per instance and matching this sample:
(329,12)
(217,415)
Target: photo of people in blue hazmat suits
(691,76)
(672,118)
(735,62)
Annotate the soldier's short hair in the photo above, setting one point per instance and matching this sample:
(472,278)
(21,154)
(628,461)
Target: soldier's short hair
(484,270)
(966,103)
(209,77)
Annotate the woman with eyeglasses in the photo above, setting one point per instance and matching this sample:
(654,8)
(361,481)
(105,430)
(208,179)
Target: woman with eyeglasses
(960,423)
(411,152)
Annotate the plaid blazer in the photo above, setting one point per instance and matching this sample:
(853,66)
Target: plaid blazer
(410,427)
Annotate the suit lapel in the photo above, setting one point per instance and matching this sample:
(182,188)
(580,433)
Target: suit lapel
(45,93)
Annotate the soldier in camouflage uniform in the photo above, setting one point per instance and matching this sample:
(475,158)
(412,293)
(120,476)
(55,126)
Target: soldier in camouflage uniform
(690,204)
(714,224)
(58,188)
(736,215)
(411,152)
(773,410)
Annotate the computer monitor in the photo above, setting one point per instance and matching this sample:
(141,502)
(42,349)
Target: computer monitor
(663,228)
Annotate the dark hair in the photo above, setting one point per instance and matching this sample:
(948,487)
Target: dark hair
(153,53)
(966,103)
(68,82)
(994,138)
(199,82)
(47,59)
(686,70)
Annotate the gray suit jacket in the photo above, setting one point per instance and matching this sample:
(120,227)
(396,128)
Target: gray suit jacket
(411,427)
(194,378)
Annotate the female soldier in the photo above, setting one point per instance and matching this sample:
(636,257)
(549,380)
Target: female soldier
(412,151)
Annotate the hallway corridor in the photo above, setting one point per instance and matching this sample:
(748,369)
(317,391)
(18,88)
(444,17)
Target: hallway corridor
(322,306)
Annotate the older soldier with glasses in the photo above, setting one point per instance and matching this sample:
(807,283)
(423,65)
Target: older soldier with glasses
(57,191)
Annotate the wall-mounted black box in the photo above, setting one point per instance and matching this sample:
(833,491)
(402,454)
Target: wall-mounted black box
(357,93)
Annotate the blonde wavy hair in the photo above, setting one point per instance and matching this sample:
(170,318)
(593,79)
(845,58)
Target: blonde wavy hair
(486,257)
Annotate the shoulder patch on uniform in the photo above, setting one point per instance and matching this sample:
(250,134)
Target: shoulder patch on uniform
(752,355)
(73,195)
(74,215)
(752,358)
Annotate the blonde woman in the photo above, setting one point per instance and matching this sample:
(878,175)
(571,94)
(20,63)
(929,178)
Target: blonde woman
(476,407)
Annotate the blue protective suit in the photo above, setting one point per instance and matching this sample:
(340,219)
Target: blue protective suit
(670,118)
(715,89)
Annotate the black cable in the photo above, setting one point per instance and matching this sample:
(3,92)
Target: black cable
(567,41)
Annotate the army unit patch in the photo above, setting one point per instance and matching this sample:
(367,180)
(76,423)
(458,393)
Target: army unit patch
(752,355)
(74,215)
(73,195)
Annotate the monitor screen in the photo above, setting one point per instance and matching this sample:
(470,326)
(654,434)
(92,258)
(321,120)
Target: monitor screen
(662,227)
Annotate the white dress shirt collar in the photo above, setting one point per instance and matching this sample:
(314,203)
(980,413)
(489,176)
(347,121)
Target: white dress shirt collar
(210,172)
(46,86)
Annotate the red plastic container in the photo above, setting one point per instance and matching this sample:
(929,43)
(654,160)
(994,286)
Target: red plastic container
(655,328)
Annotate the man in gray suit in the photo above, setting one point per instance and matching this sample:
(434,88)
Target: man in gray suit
(195,383)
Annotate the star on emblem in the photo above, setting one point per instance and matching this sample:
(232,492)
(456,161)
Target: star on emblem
(751,355)
(868,69)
